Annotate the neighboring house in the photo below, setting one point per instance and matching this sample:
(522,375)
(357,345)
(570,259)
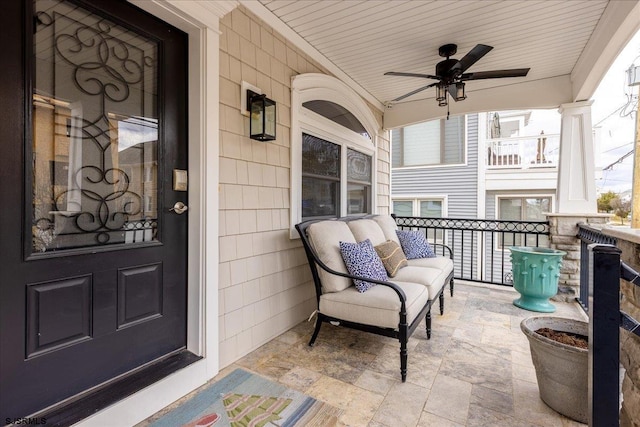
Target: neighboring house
(497,165)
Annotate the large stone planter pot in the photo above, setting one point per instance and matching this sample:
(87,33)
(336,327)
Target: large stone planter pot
(561,369)
(535,276)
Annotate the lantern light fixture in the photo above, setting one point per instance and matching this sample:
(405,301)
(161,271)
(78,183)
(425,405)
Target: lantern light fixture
(460,95)
(262,117)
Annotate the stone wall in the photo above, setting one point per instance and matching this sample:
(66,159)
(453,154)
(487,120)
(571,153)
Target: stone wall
(564,231)
(629,243)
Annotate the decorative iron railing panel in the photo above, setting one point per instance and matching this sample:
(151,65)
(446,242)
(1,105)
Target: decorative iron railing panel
(603,284)
(480,246)
(588,235)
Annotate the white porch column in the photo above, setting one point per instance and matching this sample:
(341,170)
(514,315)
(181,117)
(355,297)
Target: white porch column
(576,169)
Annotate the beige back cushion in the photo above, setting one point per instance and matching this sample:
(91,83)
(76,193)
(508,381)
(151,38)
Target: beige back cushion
(364,229)
(325,237)
(388,226)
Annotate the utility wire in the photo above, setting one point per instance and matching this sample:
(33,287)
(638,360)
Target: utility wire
(618,147)
(609,167)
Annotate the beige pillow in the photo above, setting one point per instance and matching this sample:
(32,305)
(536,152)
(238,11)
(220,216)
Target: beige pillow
(392,256)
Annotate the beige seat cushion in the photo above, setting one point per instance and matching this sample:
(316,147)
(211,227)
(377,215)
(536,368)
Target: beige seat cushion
(325,237)
(388,226)
(432,278)
(364,229)
(379,306)
(439,262)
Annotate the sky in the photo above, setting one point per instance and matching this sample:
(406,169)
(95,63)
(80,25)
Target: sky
(613,114)
(616,130)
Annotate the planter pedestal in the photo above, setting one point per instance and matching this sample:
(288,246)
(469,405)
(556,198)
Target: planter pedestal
(561,369)
(535,276)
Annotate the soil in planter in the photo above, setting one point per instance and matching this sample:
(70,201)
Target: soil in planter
(575,340)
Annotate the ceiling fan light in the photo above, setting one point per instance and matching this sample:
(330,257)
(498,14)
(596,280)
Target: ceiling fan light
(442,102)
(460,95)
(441,94)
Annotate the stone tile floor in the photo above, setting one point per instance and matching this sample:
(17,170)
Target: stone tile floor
(475,371)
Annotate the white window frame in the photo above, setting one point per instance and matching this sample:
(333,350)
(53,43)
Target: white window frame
(551,196)
(441,165)
(312,86)
(416,199)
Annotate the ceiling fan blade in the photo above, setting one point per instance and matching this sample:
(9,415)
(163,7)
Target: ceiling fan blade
(413,92)
(472,57)
(396,73)
(453,92)
(495,74)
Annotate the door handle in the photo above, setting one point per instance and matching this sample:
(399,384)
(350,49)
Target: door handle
(179,208)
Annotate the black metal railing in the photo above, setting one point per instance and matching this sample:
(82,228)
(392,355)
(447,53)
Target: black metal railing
(589,235)
(605,320)
(480,246)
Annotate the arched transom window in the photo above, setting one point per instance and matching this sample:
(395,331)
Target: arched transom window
(333,150)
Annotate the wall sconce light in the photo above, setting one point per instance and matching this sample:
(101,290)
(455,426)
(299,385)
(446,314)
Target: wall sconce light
(262,117)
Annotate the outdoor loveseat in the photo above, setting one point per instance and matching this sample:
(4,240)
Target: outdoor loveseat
(392,306)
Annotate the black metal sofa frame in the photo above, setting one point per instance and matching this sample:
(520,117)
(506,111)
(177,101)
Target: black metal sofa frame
(403,331)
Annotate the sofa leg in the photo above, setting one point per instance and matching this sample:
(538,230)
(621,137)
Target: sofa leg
(316,331)
(451,287)
(403,360)
(428,321)
(441,298)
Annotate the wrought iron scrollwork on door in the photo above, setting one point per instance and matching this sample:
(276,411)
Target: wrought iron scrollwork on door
(103,82)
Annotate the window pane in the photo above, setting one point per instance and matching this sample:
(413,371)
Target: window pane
(534,209)
(338,114)
(320,157)
(431,208)
(454,140)
(319,197)
(95,131)
(358,198)
(430,143)
(510,209)
(421,144)
(358,166)
(403,207)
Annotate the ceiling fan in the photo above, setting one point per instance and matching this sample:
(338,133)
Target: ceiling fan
(451,75)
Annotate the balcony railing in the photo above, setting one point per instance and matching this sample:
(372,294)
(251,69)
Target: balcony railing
(480,246)
(589,235)
(603,273)
(523,152)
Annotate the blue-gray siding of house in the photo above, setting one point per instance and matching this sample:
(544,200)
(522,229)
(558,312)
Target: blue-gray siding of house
(459,183)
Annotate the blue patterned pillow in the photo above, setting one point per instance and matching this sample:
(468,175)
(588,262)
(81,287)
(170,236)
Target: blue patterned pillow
(362,260)
(414,244)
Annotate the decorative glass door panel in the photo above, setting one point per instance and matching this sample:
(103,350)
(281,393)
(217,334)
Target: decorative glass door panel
(95,131)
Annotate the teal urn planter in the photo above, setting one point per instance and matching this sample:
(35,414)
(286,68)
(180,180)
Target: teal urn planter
(535,276)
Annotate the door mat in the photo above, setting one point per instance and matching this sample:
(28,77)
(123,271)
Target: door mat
(243,399)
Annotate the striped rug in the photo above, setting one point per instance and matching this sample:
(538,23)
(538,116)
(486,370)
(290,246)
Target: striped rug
(243,399)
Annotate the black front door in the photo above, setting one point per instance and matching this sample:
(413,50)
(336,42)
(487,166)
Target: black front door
(92,260)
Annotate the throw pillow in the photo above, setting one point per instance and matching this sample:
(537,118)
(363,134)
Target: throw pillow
(362,260)
(414,244)
(392,257)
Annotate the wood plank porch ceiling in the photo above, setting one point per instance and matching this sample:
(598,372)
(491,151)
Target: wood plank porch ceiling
(366,38)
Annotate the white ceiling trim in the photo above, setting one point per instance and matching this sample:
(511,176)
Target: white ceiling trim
(200,14)
(544,93)
(272,20)
(619,22)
